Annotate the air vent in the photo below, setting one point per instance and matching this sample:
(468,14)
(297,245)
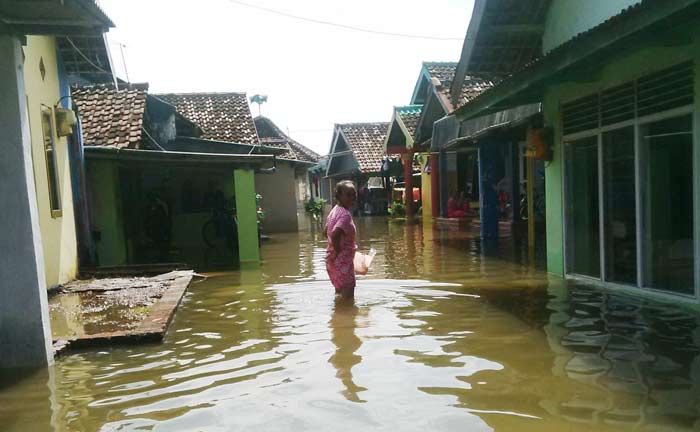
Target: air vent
(665,90)
(662,91)
(617,104)
(581,115)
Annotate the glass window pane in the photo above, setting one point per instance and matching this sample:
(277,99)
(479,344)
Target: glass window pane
(619,195)
(583,235)
(51,165)
(667,148)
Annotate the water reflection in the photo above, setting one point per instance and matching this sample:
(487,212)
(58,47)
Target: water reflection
(439,337)
(343,323)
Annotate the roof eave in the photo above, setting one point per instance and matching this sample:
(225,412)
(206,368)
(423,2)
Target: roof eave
(115,153)
(527,86)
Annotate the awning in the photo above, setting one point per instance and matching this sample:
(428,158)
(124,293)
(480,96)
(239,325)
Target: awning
(473,129)
(647,22)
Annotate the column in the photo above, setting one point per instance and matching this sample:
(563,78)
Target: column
(435,184)
(246,209)
(25,333)
(444,183)
(488,197)
(408,184)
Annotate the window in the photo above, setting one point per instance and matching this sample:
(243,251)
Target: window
(51,165)
(620,206)
(629,183)
(583,214)
(667,166)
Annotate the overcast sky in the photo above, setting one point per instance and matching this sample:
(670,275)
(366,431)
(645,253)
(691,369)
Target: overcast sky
(314,75)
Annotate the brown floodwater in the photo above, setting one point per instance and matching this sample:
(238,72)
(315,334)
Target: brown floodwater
(441,336)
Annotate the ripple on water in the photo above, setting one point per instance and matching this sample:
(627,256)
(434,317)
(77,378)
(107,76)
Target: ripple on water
(441,336)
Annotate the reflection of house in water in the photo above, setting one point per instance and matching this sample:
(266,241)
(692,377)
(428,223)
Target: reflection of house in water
(646,356)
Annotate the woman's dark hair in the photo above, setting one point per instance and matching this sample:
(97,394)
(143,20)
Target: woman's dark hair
(341,186)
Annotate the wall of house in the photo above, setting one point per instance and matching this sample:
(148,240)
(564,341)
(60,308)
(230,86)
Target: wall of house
(57,231)
(279,200)
(106,209)
(427,212)
(567,18)
(624,68)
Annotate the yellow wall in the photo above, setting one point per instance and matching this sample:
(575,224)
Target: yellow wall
(425,189)
(57,234)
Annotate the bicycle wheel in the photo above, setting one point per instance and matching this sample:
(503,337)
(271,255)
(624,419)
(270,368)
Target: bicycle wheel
(210,234)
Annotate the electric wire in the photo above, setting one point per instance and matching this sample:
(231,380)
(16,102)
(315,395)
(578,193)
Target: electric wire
(343,26)
(86,57)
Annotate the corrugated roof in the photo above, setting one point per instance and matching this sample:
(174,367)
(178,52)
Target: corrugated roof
(537,64)
(366,140)
(222,116)
(111,117)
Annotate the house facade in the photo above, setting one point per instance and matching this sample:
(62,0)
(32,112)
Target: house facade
(226,118)
(38,246)
(158,191)
(290,180)
(357,154)
(617,82)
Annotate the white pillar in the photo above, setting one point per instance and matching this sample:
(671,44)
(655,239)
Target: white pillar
(25,334)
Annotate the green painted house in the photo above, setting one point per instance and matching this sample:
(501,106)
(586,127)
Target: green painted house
(161,191)
(617,81)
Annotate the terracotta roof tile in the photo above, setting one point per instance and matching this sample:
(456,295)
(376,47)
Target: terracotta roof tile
(366,140)
(444,74)
(111,117)
(222,116)
(271,135)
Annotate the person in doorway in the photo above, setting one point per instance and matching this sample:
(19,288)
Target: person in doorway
(455,207)
(340,231)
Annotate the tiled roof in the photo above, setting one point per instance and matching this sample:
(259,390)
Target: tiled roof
(410,115)
(366,140)
(222,116)
(272,136)
(471,89)
(444,73)
(111,117)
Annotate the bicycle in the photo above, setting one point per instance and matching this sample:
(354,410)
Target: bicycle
(221,230)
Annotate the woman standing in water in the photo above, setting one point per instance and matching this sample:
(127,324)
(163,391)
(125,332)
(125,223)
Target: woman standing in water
(340,231)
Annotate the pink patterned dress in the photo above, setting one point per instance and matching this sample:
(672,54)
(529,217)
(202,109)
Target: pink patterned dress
(341,269)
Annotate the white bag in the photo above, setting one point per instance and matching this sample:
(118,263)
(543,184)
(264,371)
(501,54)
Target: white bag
(363,262)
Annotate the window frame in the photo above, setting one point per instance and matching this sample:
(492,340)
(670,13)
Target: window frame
(638,123)
(49,150)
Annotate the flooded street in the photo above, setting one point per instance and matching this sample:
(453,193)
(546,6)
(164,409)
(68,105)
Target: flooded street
(439,338)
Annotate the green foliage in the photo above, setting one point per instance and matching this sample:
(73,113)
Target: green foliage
(315,207)
(397,209)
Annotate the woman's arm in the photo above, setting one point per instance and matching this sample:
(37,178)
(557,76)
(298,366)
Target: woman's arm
(336,237)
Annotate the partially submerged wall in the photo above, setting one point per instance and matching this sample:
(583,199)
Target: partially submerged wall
(279,200)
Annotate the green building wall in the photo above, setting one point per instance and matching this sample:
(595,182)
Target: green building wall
(567,18)
(626,66)
(103,178)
